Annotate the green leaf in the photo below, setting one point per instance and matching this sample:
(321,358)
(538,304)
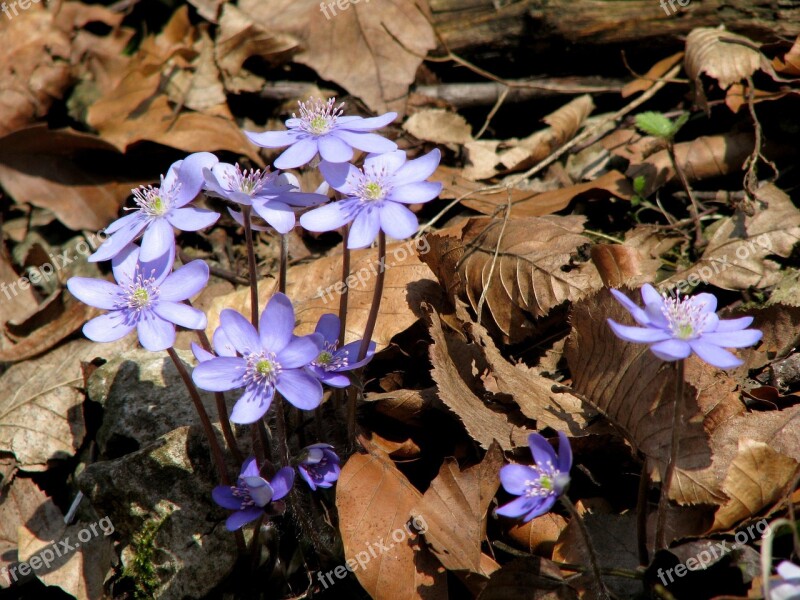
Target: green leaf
(639,184)
(655,124)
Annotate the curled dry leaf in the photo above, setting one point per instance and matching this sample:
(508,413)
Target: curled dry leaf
(736,255)
(439,126)
(374,501)
(536,268)
(649,79)
(371,50)
(538,536)
(407,406)
(790,63)
(621,264)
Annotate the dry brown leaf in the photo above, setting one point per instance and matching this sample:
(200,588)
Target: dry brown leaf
(790,63)
(736,255)
(439,126)
(649,79)
(16,304)
(780,325)
(312,288)
(371,50)
(34,68)
(454,364)
(539,535)
(536,268)
(621,264)
(20,503)
(407,406)
(530,578)
(374,501)
(208,9)
(454,508)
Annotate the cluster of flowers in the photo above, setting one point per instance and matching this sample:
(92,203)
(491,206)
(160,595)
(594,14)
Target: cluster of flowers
(150,297)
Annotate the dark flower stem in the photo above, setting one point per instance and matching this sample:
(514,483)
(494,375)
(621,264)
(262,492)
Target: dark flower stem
(694,210)
(641,515)
(251,265)
(284,265)
(666,485)
(216,451)
(280,415)
(602,591)
(346,289)
(369,329)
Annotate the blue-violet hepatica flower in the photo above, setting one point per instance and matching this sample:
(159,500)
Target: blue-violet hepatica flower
(540,485)
(333,361)
(252,494)
(160,209)
(148,297)
(789,586)
(269,359)
(375,197)
(322,128)
(319,466)
(676,327)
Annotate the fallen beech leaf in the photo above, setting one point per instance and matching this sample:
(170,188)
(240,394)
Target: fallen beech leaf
(780,325)
(649,79)
(539,535)
(404,405)
(439,126)
(736,255)
(374,500)
(530,578)
(790,63)
(455,506)
(16,304)
(371,50)
(620,264)
(21,502)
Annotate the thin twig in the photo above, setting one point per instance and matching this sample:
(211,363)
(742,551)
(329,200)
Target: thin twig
(602,591)
(669,476)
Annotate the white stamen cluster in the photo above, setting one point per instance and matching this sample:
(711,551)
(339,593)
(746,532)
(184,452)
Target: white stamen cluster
(685,319)
(155,201)
(318,117)
(544,485)
(243,494)
(141,293)
(372,185)
(329,359)
(261,370)
(248,182)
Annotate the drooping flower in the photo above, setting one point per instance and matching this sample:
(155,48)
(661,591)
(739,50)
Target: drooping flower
(268,359)
(676,327)
(789,586)
(161,208)
(332,362)
(319,466)
(273,195)
(148,297)
(375,196)
(252,496)
(322,128)
(540,485)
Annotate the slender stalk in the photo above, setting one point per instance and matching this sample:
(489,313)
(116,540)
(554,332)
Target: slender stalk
(694,209)
(666,485)
(346,290)
(280,427)
(284,265)
(216,451)
(251,265)
(222,409)
(641,515)
(602,591)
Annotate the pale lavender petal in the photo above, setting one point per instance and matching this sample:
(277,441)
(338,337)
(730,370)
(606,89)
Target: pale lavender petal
(242,517)
(388,162)
(541,450)
(250,468)
(419,169)
(515,477)
(638,334)
(181,314)
(733,339)
(155,333)
(123,265)
(397,220)
(277,323)
(638,314)
(273,139)
(108,327)
(332,378)
(121,238)
(277,214)
(282,482)
(253,405)
(714,355)
(541,509)
(333,149)
(237,216)
(707,301)
(157,241)
(190,174)
(220,374)
(200,353)
(650,296)
(364,229)
(300,351)
(328,327)
(298,154)
(788,570)
(340,176)
(94,292)
(303,198)
(126,221)
(221,343)
(223,495)
(192,218)
(260,490)
(670,350)
(415,193)
(725,325)
(370,123)
(185,282)
(368,142)
(299,388)
(325,218)
(160,267)
(564,453)
(240,332)
(517,507)
(354,354)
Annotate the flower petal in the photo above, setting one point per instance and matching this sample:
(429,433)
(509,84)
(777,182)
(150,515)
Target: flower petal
(109,327)
(220,374)
(564,453)
(200,353)
(368,142)
(671,349)
(541,450)
(708,302)
(239,331)
(223,495)
(353,350)
(157,241)
(328,327)
(360,124)
(190,175)
(273,139)
(517,507)
(714,355)
(364,228)
(154,332)
(639,315)
(222,345)
(187,281)
(733,339)
(298,154)
(192,218)
(242,517)
(260,490)
(94,292)
(419,169)
(181,314)
(415,193)
(397,221)
(340,176)
(300,351)
(725,325)
(386,162)
(276,325)
(277,214)
(325,218)
(252,405)
(332,378)
(299,388)
(334,149)
(123,265)
(541,509)
(646,335)
(282,482)
(121,238)
(515,477)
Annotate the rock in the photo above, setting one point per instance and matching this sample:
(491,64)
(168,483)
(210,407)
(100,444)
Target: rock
(174,541)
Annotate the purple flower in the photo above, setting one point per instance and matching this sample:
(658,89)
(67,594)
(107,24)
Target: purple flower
(676,327)
(319,466)
(160,209)
(221,344)
(322,128)
(148,297)
(375,196)
(538,486)
(272,195)
(789,587)
(331,363)
(270,358)
(252,495)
